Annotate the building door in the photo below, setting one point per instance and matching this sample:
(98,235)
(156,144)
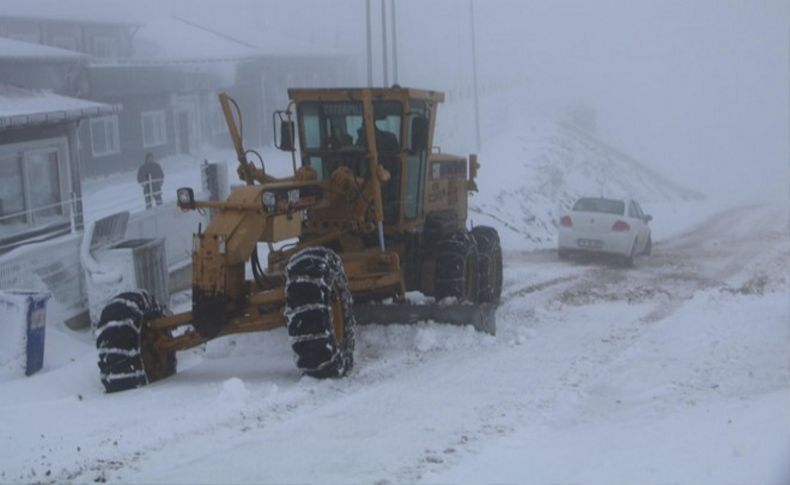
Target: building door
(183,132)
(187,113)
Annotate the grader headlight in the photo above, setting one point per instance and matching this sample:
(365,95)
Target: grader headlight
(186,198)
(268,200)
(293,196)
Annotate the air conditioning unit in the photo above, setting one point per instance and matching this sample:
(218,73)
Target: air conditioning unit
(113,266)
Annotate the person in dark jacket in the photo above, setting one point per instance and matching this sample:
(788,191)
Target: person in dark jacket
(150,176)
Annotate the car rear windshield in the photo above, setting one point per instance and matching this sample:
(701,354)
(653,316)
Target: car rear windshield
(606,206)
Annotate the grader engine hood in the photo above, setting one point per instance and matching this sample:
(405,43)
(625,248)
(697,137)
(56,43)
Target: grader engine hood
(252,214)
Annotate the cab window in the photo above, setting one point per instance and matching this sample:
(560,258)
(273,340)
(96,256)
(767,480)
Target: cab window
(415,168)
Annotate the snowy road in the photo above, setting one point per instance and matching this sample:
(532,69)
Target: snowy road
(675,371)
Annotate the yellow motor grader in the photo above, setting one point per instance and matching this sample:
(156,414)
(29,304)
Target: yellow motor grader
(371,215)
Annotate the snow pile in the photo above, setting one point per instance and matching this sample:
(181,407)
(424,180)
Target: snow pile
(233,394)
(423,337)
(533,173)
(22,331)
(13,325)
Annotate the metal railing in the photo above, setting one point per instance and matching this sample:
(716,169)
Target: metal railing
(72,211)
(153,197)
(65,210)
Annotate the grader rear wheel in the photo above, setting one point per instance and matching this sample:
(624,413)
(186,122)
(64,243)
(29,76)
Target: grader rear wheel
(490,264)
(319,313)
(128,357)
(457,267)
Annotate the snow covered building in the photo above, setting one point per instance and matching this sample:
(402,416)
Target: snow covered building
(169,87)
(166,74)
(40,161)
(82,96)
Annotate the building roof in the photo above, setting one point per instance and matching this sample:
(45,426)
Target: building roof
(25,107)
(175,40)
(86,12)
(16,50)
(178,39)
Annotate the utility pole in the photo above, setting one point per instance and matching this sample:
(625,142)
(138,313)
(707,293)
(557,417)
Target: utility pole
(394,45)
(369,43)
(384,40)
(474,75)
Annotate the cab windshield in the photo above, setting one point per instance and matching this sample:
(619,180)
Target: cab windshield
(333,133)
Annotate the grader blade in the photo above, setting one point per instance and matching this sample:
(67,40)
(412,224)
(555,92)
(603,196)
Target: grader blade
(482,316)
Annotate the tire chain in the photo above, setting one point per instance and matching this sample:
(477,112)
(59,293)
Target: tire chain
(119,339)
(311,278)
(451,254)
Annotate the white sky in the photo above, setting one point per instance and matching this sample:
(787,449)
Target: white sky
(696,89)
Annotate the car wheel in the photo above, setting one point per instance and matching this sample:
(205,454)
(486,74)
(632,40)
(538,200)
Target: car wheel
(628,261)
(649,246)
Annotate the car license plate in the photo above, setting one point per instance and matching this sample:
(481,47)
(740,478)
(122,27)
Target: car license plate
(590,243)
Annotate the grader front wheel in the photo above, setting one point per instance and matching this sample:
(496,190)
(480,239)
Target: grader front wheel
(128,357)
(319,313)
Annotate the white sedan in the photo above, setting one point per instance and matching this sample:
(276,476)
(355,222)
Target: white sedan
(608,226)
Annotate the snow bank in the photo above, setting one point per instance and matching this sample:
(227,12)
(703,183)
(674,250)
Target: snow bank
(233,394)
(729,441)
(532,173)
(13,327)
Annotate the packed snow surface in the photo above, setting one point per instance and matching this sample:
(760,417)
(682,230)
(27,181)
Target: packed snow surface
(674,371)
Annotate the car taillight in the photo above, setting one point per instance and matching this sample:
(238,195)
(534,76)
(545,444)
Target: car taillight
(565,221)
(621,226)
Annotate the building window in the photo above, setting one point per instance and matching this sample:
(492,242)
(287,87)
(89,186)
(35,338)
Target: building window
(154,129)
(12,195)
(64,42)
(105,46)
(32,185)
(104,135)
(218,124)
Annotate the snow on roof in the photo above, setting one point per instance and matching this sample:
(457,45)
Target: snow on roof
(11,49)
(278,44)
(179,38)
(86,12)
(170,39)
(19,107)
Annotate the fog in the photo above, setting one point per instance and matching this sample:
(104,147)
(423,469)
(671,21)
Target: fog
(697,90)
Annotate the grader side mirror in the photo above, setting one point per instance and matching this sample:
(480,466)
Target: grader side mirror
(473,168)
(287,136)
(419,134)
(287,132)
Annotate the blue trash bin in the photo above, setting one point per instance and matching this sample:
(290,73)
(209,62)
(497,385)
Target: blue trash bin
(31,308)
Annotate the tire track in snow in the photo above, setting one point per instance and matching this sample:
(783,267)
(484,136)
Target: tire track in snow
(495,388)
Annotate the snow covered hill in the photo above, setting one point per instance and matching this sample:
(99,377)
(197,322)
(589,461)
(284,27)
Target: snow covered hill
(536,169)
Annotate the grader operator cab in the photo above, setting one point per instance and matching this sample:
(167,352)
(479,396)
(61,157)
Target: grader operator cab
(370,213)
